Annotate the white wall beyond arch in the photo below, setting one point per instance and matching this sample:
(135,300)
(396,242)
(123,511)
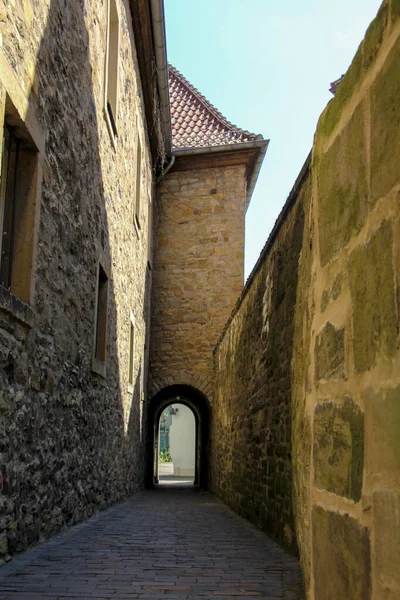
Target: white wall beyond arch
(182,441)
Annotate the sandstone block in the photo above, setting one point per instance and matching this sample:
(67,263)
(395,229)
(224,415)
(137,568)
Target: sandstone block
(385,127)
(338,451)
(342,188)
(382,433)
(329,353)
(342,557)
(386,521)
(373,37)
(373,294)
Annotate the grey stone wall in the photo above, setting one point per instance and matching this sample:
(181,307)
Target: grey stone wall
(71,441)
(252,413)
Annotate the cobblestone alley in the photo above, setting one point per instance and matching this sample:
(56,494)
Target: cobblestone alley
(165,543)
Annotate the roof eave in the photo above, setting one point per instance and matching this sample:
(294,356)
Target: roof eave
(260,145)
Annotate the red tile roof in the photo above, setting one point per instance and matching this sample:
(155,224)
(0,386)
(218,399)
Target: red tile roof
(197,123)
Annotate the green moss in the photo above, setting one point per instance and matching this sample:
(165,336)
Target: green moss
(342,188)
(395,10)
(373,37)
(374,301)
(338,451)
(342,556)
(329,353)
(385,127)
(331,116)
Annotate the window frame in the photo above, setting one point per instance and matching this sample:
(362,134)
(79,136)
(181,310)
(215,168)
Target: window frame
(19,119)
(110,111)
(131,353)
(99,357)
(138,181)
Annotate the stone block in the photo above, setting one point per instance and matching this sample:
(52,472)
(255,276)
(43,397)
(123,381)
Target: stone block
(3,543)
(342,188)
(395,10)
(338,451)
(333,112)
(386,523)
(373,295)
(382,433)
(373,37)
(385,127)
(329,353)
(342,557)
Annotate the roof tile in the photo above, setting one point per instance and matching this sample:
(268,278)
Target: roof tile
(196,122)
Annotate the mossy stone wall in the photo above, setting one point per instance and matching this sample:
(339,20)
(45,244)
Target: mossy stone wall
(331,348)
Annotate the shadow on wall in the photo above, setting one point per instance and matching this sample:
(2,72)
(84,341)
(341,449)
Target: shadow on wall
(62,440)
(252,410)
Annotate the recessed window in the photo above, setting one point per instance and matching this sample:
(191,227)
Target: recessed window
(138,181)
(131,366)
(18,189)
(150,233)
(111,75)
(100,345)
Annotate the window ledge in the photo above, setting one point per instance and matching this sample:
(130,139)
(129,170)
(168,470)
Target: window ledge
(99,367)
(113,135)
(137,229)
(16,307)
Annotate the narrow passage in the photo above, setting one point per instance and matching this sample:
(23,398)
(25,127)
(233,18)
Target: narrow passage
(163,543)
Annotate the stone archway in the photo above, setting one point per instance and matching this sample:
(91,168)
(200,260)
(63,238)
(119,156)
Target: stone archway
(199,404)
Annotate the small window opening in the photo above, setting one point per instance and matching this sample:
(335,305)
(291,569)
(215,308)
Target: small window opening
(150,234)
(18,188)
(131,371)
(101,319)
(112,66)
(138,180)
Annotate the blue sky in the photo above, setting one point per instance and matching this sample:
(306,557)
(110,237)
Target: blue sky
(267,66)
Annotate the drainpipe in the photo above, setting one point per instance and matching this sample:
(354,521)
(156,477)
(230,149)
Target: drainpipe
(165,171)
(158,21)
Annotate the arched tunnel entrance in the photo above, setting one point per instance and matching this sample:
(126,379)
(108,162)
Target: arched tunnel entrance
(199,405)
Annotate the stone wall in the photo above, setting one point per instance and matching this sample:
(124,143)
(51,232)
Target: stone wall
(71,439)
(342,394)
(352,395)
(252,418)
(197,271)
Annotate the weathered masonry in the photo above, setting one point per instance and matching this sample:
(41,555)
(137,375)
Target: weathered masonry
(306,414)
(198,238)
(77,185)
(123,194)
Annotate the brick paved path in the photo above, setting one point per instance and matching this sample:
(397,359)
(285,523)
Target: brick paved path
(174,544)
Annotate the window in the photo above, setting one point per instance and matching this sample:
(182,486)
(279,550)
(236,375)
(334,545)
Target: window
(18,190)
(131,367)
(150,232)
(111,74)
(100,344)
(138,180)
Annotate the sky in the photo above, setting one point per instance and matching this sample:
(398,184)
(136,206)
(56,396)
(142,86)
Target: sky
(267,66)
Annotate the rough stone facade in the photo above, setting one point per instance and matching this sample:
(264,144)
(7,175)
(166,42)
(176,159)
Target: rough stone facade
(197,272)
(305,376)
(71,439)
(252,417)
(339,330)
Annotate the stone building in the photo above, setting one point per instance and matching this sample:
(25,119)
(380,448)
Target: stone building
(123,195)
(77,100)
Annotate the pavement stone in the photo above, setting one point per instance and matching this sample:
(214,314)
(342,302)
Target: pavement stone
(168,543)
